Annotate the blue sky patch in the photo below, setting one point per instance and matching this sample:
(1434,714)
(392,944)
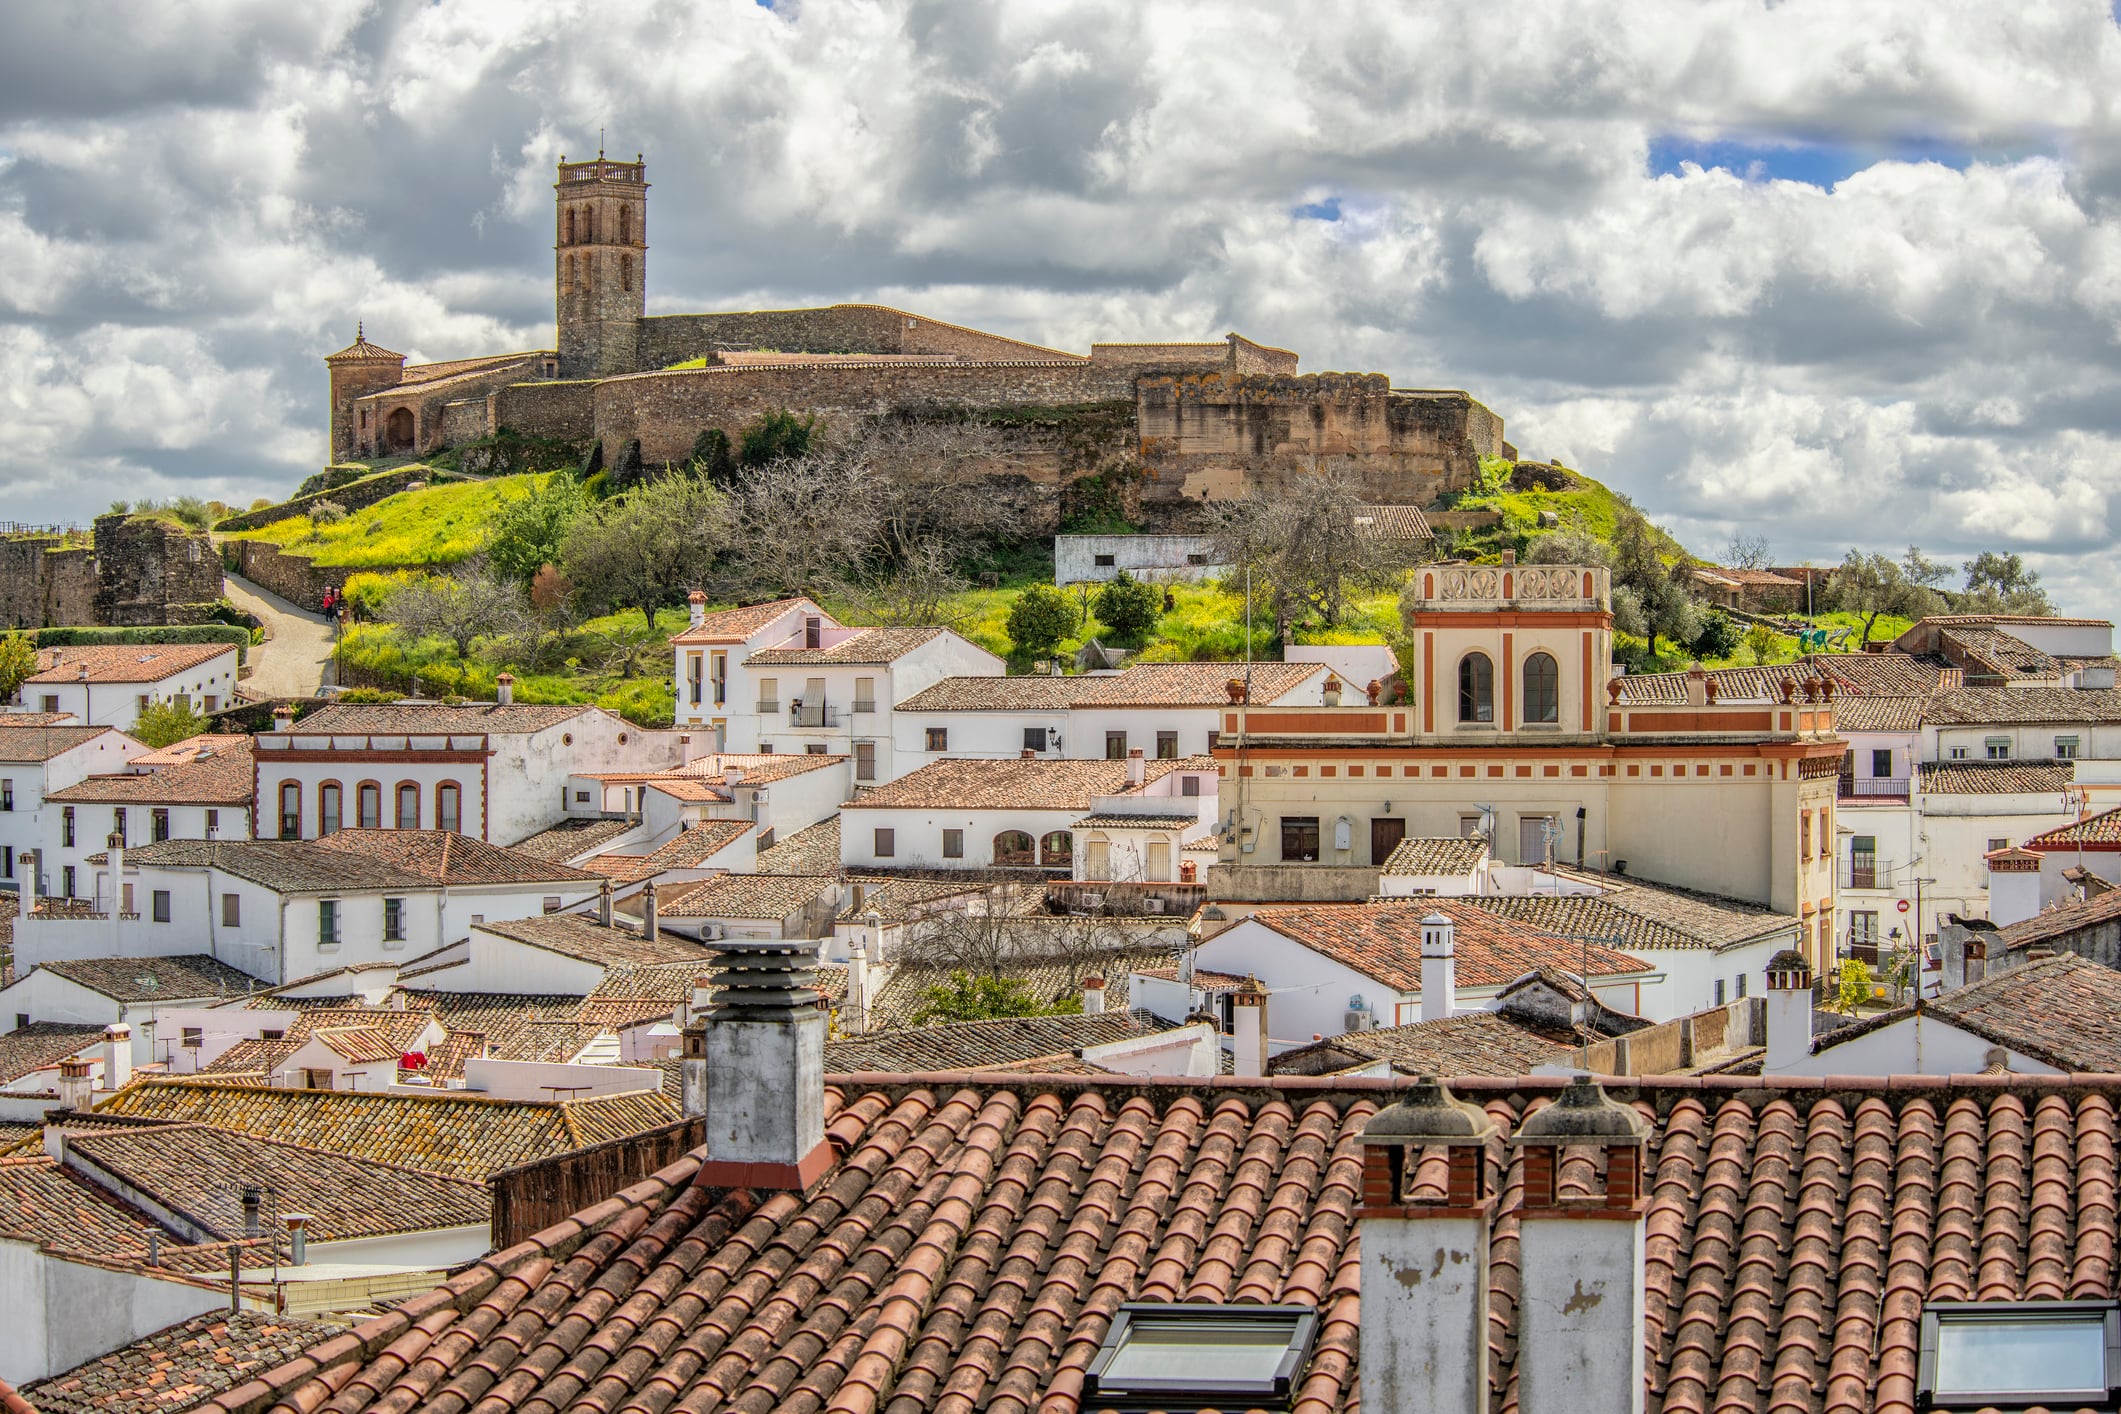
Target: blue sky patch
(1327,210)
(1819,164)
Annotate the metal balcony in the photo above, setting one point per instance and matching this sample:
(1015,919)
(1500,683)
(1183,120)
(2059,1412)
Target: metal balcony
(1873,788)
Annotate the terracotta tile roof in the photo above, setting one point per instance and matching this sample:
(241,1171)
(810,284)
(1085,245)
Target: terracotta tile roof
(580,936)
(571,838)
(1753,684)
(2061,920)
(222,778)
(1760,579)
(29,745)
(2029,620)
(690,848)
(123,662)
(189,749)
(448,858)
(454,1133)
(1383,941)
(976,1233)
(1443,855)
(9,718)
(42,1203)
(361,351)
(758,769)
(2001,653)
(735,625)
(358,1045)
(145,979)
(897,900)
(198,1172)
(870,645)
(2032,706)
(2063,1011)
(1042,784)
(2103,829)
(1119,820)
(253,1056)
(1879,714)
(774,896)
(42,1043)
(814,849)
(1393,523)
(173,1369)
(1646,915)
(360,859)
(423,718)
(1476,1043)
(1997,777)
(980,1045)
(1887,674)
(1142,685)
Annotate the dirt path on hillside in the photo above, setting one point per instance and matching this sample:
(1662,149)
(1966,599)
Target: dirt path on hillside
(295,660)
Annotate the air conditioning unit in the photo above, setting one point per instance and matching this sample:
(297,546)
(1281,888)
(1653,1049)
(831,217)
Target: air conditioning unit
(711,932)
(1093,900)
(1355,1021)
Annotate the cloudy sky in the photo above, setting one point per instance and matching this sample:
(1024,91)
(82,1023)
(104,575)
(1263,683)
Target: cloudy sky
(1835,272)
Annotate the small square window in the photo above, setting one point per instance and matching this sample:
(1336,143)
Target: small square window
(161,905)
(2066,748)
(1194,1352)
(1998,747)
(1189,784)
(938,738)
(953,844)
(1978,1353)
(1167,746)
(886,843)
(1958,753)
(1105,562)
(1034,738)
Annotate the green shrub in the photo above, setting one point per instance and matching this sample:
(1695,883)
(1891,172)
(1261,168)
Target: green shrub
(645,702)
(167,723)
(1038,621)
(1719,636)
(965,997)
(1129,607)
(326,513)
(771,436)
(374,695)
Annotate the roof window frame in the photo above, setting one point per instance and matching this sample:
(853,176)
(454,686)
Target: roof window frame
(1937,1315)
(1299,1322)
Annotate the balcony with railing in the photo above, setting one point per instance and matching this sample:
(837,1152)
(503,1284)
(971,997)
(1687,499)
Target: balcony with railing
(1876,790)
(813,714)
(1866,871)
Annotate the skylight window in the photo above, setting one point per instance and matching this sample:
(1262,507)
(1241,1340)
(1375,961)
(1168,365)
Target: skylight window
(1195,1351)
(1976,1353)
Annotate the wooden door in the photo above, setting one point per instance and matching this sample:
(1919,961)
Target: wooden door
(1386,831)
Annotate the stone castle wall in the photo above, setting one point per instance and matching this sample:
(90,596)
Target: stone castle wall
(45,582)
(666,339)
(562,411)
(138,573)
(464,420)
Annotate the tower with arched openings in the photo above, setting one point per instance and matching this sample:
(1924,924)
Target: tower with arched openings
(600,264)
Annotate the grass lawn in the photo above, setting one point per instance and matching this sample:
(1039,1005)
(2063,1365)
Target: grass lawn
(436,525)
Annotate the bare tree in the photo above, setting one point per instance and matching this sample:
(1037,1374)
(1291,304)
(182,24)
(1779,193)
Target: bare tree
(1746,552)
(931,485)
(471,604)
(802,525)
(915,590)
(1310,547)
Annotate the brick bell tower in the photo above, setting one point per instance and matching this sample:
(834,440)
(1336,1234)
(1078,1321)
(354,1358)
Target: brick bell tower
(600,264)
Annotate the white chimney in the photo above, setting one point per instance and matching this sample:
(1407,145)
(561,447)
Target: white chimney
(762,1051)
(854,1016)
(117,1056)
(1093,995)
(1789,1012)
(54,1142)
(76,1085)
(1248,1029)
(504,689)
(1424,1274)
(283,719)
(1582,1354)
(696,607)
(32,863)
(732,776)
(1439,968)
(1137,768)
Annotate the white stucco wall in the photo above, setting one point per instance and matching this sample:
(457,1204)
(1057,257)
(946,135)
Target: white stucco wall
(1920,1044)
(61,1313)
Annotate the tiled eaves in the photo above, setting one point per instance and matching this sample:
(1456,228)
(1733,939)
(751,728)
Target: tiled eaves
(969,1244)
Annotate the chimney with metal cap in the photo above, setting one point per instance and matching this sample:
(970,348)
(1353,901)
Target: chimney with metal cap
(1424,1274)
(696,607)
(77,1084)
(297,1238)
(1580,1352)
(762,1047)
(650,924)
(604,903)
(253,1208)
(732,776)
(504,689)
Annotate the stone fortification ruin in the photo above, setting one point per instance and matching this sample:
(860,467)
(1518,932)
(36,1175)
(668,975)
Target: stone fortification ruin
(1184,422)
(132,571)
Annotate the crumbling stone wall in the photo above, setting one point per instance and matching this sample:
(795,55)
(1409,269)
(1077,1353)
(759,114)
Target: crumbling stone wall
(561,411)
(151,571)
(295,578)
(45,581)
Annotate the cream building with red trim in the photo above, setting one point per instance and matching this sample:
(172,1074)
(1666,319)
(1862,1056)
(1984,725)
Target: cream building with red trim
(1516,727)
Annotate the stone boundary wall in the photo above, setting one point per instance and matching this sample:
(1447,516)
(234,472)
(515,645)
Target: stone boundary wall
(295,578)
(562,411)
(841,328)
(465,420)
(354,496)
(1249,357)
(667,411)
(150,571)
(43,581)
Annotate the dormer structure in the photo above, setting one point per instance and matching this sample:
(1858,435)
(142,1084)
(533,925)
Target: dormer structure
(1511,650)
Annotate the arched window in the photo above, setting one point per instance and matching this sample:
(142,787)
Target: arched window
(1057,850)
(589,224)
(1476,688)
(408,806)
(449,810)
(568,238)
(1014,849)
(625,225)
(290,810)
(625,272)
(1542,690)
(368,802)
(328,809)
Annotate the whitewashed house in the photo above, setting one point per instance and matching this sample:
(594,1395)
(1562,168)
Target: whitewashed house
(35,760)
(107,991)
(780,794)
(110,685)
(1023,814)
(497,771)
(204,795)
(280,910)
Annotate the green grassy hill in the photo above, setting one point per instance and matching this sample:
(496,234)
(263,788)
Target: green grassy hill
(439,524)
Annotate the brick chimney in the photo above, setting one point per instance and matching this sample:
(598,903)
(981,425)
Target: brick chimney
(1093,995)
(1580,1350)
(1137,767)
(283,718)
(504,689)
(117,1056)
(1789,1012)
(1424,1273)
(1248,1029)
(762,1048)
(696,607)
(1439,967)
(76,1085)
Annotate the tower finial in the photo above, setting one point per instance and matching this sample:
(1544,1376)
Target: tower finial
(600,144)
(360,335)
